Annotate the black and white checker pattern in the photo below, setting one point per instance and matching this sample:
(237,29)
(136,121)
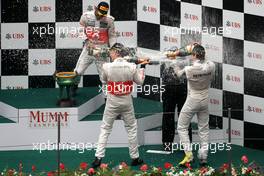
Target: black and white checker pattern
(28,60)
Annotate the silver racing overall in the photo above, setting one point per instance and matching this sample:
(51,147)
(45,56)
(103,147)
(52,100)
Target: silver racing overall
(100,34)
(199,76)
(120,76)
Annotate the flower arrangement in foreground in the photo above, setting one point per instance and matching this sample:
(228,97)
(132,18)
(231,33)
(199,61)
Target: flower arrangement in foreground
(245,169)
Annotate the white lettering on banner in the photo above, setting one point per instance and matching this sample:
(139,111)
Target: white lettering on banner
(38,119)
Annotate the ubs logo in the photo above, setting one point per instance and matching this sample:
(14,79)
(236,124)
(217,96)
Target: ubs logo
(233,24)
(253,55)
(170,39)
(150,9)
(43,8)
(124,34)
(254,109)
(234,132)
(233,78)
(41,61)
(69,35)
(257,2)
(17,36)
(214,101)
(191,17)
(212,47)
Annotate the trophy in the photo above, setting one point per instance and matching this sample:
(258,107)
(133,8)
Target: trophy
(67,81)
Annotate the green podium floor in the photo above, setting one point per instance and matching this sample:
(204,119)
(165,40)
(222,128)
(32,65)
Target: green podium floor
(143,107)
(43,97)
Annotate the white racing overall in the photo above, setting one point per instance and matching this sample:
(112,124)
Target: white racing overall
(99,34)
(120,76)
(199,77)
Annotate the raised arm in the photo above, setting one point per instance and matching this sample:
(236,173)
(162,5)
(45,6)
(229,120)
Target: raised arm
(111,32)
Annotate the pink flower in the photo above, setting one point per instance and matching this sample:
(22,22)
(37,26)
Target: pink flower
(188,165)
(124,165)
(51,173)
(144,168)
(83,165)
(160,169)
(103,166)
(33,168)
(167,165)
(91,171)
(244,159)
(249,170)
(203,170)
(225,166)
(62,166)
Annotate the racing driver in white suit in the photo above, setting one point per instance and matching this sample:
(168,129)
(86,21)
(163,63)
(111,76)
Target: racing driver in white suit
(120,76)
(100,33)
(199,76)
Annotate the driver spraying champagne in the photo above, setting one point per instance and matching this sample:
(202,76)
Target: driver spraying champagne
(199,76)
(120,76)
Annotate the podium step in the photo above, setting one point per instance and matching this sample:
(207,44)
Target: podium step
(154,135)
(143,108)
(42,97)
(5,120)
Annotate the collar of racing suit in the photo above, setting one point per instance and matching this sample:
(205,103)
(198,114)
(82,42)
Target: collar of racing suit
(119,59)
(197,62)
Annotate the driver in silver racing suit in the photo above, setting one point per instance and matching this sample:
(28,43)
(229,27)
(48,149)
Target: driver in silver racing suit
(100,33)
(199,76)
